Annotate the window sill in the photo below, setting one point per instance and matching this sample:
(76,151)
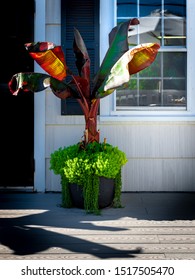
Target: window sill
(179,115)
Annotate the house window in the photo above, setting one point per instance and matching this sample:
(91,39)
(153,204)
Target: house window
(164,83)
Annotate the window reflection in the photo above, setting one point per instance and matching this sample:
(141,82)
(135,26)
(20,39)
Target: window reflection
(164,82)
(162,23)
(176,7)
(127,8)
(166,29)
(148,7)
(174,30)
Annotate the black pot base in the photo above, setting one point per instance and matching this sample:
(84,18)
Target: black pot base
(105,198)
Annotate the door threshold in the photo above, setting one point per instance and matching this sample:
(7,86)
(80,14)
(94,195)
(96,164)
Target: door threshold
(16,189)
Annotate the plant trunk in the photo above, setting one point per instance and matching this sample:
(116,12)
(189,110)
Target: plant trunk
(90,110)
(91,132)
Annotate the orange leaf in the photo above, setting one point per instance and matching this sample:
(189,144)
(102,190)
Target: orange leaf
(143,55)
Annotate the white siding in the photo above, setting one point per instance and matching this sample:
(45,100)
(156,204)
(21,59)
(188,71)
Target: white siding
(161,157)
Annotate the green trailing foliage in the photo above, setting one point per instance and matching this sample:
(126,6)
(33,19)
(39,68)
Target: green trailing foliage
(84,165)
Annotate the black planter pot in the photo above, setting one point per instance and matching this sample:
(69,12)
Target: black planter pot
(106,193)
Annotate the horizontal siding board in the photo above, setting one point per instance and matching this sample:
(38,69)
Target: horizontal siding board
(159,175)
(152,140)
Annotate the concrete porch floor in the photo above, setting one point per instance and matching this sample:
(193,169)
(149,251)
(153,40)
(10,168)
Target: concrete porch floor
(149,226)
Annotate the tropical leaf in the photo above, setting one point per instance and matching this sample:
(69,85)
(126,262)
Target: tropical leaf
(36,82)
(82,62)
(28,82)
(49,57)
(142,56)
(82,57)
(79,84)
(118,46)
(133,61)
(113,32)
(63,90)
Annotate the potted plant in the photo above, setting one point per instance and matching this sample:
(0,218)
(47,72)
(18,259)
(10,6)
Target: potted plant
(118,65)
(90,175)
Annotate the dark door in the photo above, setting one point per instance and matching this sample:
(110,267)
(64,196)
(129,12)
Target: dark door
(16,112)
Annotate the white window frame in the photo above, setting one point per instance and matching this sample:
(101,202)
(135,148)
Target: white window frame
(108,110)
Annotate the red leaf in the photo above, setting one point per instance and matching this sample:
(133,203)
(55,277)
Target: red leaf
(50,58)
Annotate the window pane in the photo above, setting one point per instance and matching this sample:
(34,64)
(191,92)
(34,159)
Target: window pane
(176,7)
(150,21)
(174,31)
(128,96)
(150,29)
(174,64)
(174,23)
(149,92)
(149,7)
(127,8)
(174,92)
(154,70)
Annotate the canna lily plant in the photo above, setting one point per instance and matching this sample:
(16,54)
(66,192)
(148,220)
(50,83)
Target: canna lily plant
(84,164)
(118,65)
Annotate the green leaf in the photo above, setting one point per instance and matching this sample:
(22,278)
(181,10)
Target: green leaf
(119,46)
(28,82)
(133,61)
(36,82)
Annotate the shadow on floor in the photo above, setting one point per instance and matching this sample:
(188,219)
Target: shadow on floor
(31,234)
(25,233)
